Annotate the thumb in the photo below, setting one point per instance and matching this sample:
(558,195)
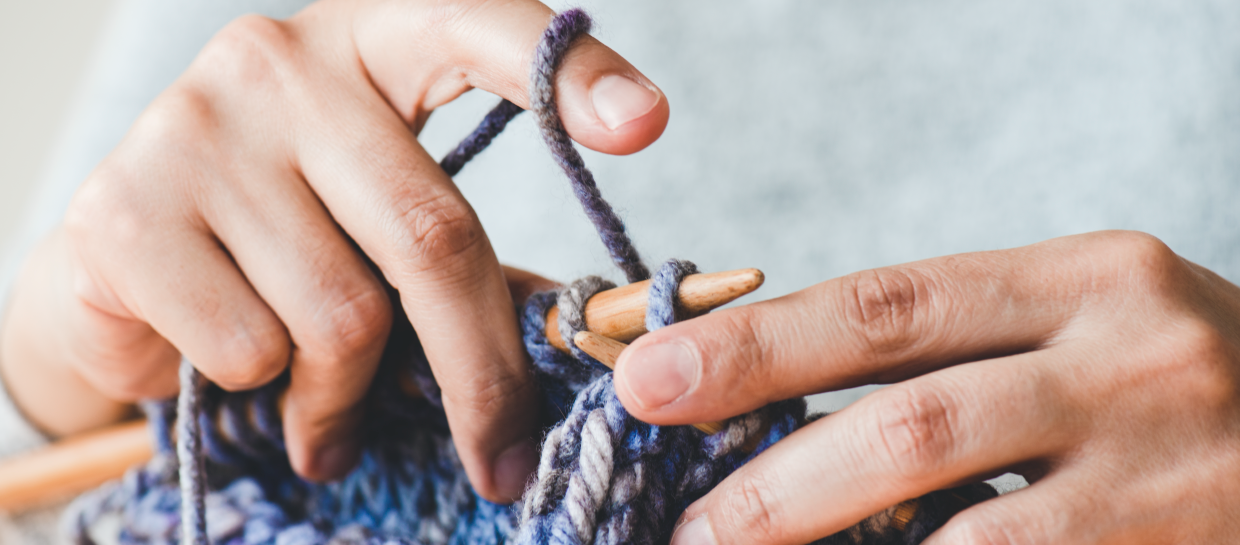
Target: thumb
(423,54)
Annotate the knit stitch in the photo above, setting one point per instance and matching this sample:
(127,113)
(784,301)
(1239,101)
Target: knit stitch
(604,477)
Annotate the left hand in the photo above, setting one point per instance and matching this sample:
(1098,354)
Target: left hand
(1103,367)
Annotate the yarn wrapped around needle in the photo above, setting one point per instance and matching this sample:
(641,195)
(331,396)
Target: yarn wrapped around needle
(604,477)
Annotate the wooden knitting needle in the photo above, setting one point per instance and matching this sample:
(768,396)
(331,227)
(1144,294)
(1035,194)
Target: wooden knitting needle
(76,464)
(71,466)
(620,313)
(607,351)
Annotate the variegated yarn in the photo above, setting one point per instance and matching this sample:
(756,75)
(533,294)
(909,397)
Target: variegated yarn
(603,477)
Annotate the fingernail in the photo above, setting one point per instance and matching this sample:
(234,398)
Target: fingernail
(619,100)
(695,532)
(337,460)
(660,374)
(513,468)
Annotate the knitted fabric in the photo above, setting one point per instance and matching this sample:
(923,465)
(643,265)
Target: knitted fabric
(603,476)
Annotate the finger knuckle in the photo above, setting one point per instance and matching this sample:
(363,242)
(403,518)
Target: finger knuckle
(914,430)
(751,366)
(1201,360)
(446,17)
(886,307)
(493,394)
(1143,262)
(249,358)
(749,509)
(440,230)
(251,52)
(102,205)
(355,325)
(1202,345)
(127,192)
(178,121)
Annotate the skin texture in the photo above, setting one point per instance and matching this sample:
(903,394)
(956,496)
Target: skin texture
(1103,367)
(257,211)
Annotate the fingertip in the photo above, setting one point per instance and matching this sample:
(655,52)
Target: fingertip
(606,104)
(512,471)
(696,531)
(489,392)
(332,462)
(619,100)
(501,455)
(500,478)
(323,452)
(653,376)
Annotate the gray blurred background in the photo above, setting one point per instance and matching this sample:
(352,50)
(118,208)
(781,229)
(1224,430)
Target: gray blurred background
(45,47)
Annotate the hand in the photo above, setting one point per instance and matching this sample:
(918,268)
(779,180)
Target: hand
(1103,367)
(256,211)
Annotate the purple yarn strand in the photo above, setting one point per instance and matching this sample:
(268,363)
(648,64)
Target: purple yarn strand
(565,28)
(493,124)
(663,307)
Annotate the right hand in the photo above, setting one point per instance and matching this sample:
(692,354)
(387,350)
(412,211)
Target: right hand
(257,210)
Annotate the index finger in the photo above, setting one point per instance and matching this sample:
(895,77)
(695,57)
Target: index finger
(408,216)
(872,327)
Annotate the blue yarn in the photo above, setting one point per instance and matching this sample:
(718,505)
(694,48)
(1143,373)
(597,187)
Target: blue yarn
(663,309)
(604,477)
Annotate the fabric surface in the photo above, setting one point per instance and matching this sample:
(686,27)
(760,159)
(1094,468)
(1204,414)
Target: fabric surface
(814,140)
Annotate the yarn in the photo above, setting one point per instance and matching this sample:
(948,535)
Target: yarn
(189,446)
(603,477)
(559,36)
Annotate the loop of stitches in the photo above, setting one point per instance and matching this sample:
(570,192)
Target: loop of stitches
(572,304)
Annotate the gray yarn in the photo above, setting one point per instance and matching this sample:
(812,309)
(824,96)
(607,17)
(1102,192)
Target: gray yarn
(571,301)
(622,502)
(189,447)
(588,486)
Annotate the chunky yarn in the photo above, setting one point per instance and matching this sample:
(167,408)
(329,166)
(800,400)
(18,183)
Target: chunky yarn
(603,478)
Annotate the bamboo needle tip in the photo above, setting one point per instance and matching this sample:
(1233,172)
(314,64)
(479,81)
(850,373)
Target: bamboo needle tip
(749,279)
(605,350)
(711,290)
